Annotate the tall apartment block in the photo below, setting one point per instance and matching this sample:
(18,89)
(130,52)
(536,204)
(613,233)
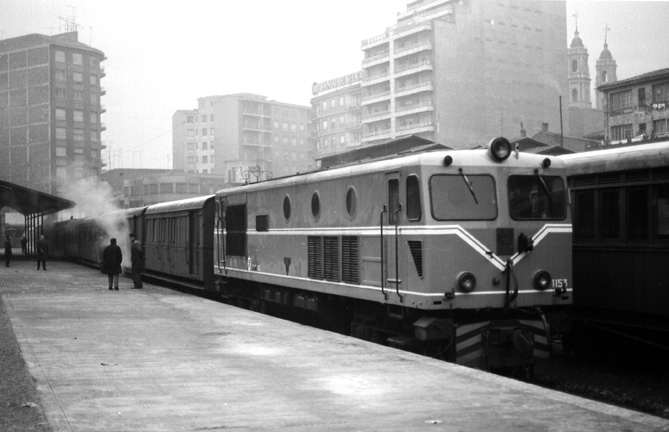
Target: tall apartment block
(460,72)
(244,137)
(50,111)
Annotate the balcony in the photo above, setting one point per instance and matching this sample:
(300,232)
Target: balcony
(376,97)
(413,49)
(408,69)
(414,108)
(103,91)
(378,58)
(102,72)
(376,40)
(256,128)
(103,109)
(257,113)
(377,134)
(375,116)
(411,28)
(414,128)
(426,10)
(103,127)
(423,86)
(369,80)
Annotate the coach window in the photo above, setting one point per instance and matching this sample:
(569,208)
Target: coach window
(637,213)
(316,206)
(413,198)
(585,215)
(286,207)
(663,212)
(609,216)
(351,202)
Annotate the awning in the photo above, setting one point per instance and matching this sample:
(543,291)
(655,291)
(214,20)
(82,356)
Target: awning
(29,201)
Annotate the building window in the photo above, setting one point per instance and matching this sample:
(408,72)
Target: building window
(78,115)
(92,62)
(61,172)
(92,79)
(574,65)
(61,151)
(60,56)
(621,132)
(78,95)
(205,159)
(204,117)
(77,77)
(78,134)
(181,188)
(77,59)
(642,96)
(574,95)
(61,133)
(204,131)
(94,118)
(189,119)
(605,76)
(661,93)
(211,117)
(60,114)
(60,75)
(94,99)
(621,100)
(60,93)
(94,136)
(660,126)
(166,188)
(204,145)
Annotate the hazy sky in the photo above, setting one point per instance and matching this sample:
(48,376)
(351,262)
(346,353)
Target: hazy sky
(163,55)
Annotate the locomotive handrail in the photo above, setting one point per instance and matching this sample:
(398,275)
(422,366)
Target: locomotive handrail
(510,273)
(397,252)
(383,277)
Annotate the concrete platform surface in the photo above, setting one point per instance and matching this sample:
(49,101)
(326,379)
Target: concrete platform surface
(159,360)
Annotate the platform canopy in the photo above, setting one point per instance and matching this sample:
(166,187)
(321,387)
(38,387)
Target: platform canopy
(30,201)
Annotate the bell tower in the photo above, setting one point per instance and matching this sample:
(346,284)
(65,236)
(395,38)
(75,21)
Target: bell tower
(605,69)
(579,72)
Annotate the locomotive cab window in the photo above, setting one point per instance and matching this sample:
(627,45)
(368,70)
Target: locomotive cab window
(413,198)
(537,197)
(463,197)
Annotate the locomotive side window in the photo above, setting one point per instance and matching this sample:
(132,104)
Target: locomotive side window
(235,227)
(286,208)
(413,199)
(393,199)
(458,197)
(537,197)
(316,205)
(351,204)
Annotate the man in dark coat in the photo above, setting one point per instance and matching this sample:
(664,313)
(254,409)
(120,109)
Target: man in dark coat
(24,245)
(111,263)
(42,252)
(8,250)
(137,259)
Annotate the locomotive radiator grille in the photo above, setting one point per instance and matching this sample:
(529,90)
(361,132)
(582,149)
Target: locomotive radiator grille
(349,260)
(315,252)
(331,258)
(416,248)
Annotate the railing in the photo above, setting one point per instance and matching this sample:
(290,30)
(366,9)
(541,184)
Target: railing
(376,95)
(376,132)
(406,67)
(426,83)
(376,114)
(426,44)
(375,76)
(375,39)
(414,126)
(414,106)
(377,56)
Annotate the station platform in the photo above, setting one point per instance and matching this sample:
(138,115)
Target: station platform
(155,359)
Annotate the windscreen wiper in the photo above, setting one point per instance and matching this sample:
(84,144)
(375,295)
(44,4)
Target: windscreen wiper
(469,185)
(545,187)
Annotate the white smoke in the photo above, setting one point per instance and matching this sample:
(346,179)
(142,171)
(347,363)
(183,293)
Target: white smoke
(95,199)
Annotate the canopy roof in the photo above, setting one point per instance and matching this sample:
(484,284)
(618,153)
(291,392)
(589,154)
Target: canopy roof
(28,201)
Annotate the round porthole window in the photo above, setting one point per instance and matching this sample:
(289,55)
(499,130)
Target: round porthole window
(286,207)
(351,202)
(316,205)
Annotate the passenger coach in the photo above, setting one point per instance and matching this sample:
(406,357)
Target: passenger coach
(458,253)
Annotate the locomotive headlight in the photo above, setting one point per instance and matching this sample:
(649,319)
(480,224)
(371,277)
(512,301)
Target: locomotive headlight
(542,280)
(466,282)
(500,149)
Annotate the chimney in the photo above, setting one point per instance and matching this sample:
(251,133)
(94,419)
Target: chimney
(544,127)
(523,132)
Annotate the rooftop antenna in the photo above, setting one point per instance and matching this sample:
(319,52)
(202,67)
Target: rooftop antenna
(606,30)
(70,23)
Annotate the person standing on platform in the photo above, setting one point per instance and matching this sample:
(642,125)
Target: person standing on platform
(42,252)
(24,245)
(137,259)
(8,250)
(111,263)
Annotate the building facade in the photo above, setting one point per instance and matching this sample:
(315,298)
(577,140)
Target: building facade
(337,124)
(244,137)
(460,72)
(50,111)
(637,108)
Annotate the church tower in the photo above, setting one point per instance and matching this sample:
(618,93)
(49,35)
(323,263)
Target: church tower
(606,71)
(579,73)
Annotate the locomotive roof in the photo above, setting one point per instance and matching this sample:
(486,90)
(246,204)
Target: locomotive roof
(461,158)
(642,156)
(185,204)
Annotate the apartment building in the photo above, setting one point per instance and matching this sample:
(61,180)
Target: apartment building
(244,137)
(460,72)
(50,111)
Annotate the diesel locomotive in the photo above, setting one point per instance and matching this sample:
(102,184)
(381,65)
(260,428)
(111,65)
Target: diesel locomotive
(459,254)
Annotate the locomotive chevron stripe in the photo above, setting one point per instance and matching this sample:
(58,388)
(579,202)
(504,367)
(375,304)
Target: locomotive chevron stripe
(541,234)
